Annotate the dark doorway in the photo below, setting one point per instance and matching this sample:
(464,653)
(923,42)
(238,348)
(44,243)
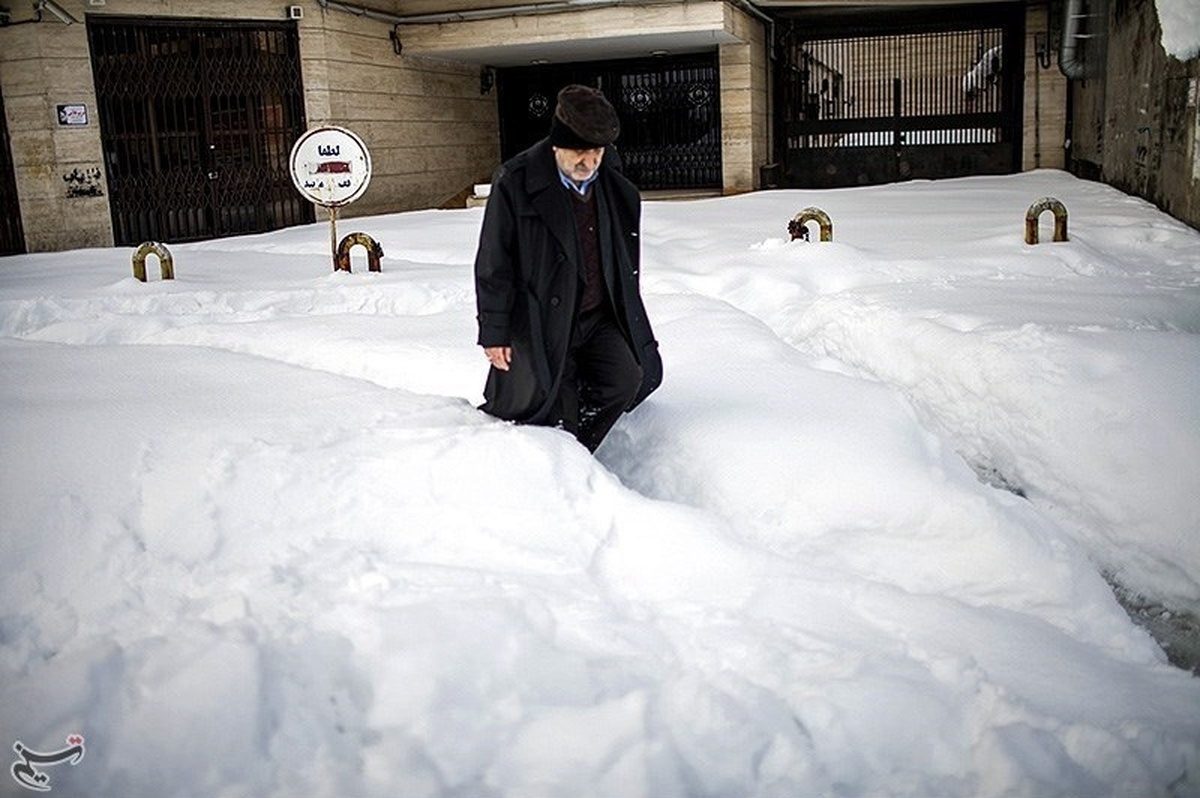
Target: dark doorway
(873,98)
(12,236)
(197,120)
(669,109)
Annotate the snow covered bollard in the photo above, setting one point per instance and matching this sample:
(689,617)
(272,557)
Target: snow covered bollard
(341,261)
(165,261)
(1035,212)
(797,228)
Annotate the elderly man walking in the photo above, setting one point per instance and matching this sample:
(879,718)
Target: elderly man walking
(561,318)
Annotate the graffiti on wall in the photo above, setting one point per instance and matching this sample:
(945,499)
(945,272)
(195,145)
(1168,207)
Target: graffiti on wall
(83,183)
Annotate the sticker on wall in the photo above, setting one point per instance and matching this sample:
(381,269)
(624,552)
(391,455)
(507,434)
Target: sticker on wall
(330,166)
(75,115)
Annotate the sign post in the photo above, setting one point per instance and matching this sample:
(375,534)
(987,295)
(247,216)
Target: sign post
(333,241)
(331,167)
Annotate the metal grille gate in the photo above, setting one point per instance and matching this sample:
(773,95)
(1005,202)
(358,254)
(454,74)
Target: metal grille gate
(669,110)
(197,120)
(12,237)
(866,100)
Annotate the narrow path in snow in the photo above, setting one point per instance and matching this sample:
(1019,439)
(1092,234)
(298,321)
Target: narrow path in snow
(1022,408)
(1178,632)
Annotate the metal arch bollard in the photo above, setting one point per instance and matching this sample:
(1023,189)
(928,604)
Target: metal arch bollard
(1035,212)
(165,261)
(341,261)
(797,225)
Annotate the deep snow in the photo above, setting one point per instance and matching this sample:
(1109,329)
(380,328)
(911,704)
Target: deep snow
(257,540)
(1180,23)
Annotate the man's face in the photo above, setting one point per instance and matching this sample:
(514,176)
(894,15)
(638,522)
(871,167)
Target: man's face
(578,165)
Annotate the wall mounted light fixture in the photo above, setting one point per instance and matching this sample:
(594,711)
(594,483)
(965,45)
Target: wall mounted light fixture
(60,13)
(1041,48)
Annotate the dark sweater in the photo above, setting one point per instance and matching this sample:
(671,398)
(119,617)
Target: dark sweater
(587,225)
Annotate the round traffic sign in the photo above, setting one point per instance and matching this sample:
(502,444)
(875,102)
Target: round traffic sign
(330,166)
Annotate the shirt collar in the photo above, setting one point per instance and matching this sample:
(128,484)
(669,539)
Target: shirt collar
(579,188)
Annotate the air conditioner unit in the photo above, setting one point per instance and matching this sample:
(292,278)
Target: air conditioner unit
(295,12)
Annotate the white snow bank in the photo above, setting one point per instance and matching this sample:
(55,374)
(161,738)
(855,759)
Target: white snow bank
(1180,21)
(257,541)
(1067,369)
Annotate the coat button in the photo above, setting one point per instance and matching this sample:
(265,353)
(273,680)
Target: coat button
(554,301)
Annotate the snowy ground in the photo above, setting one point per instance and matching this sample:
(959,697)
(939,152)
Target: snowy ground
(257,541)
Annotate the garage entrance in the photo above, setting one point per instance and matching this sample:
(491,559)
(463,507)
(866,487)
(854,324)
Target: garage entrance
(197,121)
(669,110)
(867,98)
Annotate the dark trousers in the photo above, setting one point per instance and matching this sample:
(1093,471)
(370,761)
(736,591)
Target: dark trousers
(601,377)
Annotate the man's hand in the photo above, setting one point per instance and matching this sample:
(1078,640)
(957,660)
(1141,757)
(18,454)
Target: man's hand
(499,356)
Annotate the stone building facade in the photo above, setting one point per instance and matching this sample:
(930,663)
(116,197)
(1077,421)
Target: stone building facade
(429,129)
(417,81)
(1136,113)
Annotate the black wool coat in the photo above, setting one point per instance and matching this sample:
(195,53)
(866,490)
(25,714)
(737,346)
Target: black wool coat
(529,278)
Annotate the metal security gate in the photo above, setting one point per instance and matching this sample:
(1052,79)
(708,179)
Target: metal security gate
(874,99)
(197,120)
(12,237)
(669,110)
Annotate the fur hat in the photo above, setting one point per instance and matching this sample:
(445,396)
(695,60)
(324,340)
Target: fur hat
(583,119)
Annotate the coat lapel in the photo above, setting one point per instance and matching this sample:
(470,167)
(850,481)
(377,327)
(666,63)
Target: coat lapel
(543,184)
(608,262)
